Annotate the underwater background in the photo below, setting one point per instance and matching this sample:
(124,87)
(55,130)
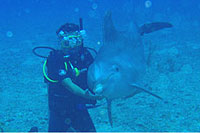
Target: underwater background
(173,71)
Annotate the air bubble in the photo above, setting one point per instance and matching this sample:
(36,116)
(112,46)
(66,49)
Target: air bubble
(148,4)
(76,9)
(9,34)
(94,6)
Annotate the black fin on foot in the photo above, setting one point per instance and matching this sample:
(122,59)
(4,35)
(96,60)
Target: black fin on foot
(33,129)
(155,26)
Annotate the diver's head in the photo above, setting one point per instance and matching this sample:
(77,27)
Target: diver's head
(70,37)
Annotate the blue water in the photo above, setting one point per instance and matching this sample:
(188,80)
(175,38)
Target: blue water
(174,74)
(23,16)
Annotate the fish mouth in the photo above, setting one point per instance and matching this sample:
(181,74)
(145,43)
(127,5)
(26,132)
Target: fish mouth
(100,86)
(98,89)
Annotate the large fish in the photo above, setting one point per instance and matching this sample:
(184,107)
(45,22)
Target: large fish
(120,65)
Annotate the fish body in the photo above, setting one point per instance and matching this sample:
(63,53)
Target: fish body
(120,66)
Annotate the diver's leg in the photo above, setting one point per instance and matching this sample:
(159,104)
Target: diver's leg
(57,122)
(82,121)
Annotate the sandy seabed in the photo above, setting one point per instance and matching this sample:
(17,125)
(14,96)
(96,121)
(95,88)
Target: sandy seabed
(173,73)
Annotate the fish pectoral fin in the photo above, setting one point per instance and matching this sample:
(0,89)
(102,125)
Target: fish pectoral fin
(133,94)
(109,112)
(144,90)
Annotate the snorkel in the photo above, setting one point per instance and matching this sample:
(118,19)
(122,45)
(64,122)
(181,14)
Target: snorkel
(81,29)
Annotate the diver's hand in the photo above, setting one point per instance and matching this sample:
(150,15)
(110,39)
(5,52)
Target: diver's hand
(89,95)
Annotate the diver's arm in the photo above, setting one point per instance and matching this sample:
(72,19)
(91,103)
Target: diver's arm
(75,89)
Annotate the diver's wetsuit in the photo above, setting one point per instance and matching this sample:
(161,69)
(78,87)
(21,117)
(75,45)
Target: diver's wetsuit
(66,109)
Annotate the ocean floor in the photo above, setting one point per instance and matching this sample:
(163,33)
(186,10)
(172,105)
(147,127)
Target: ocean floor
(173,74)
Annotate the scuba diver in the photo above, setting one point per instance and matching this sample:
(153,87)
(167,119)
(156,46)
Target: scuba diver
(66,78)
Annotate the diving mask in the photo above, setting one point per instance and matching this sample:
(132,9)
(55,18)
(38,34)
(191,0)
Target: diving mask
(71,40)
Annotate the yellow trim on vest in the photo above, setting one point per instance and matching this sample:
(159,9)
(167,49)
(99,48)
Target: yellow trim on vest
(45,75)
(77,72)
(75,69)
(65,65)
(55,81)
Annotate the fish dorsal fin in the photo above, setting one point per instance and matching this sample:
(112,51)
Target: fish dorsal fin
(109,31)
